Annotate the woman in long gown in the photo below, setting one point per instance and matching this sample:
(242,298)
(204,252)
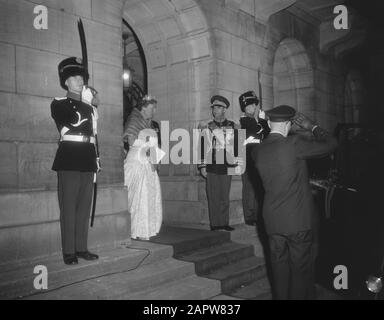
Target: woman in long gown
(140,174)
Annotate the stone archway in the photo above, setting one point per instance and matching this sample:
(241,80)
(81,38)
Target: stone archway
(293,77)
(176,41)
(177,46)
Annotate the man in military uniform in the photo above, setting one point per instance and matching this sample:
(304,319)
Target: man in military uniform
(256,131)
(76,159)
(215,163)
(289,210)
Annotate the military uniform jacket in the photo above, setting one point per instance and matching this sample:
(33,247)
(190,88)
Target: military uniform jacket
(210,158)
(73,117)
(257,129)
(288,204)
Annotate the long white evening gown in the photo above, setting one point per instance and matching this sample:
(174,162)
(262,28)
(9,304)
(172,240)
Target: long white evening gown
(144,193)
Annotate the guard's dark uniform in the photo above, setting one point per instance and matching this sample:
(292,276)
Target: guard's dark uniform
(288,208)
(76,116)
(257,130)
(217,165)
(75,163)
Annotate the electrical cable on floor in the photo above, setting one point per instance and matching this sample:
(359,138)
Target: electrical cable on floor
(91,278)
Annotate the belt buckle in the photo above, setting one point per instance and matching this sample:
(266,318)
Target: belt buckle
(85,139)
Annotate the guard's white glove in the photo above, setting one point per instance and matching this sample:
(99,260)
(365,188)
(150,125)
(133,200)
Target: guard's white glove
(239,161)
(203,172)
(251,139)
(89,96)
(98,165)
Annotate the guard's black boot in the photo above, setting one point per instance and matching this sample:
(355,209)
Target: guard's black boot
(70,259)
(86,255)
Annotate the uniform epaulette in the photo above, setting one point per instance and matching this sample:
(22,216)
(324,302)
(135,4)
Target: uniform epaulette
(232,122)
(61,98)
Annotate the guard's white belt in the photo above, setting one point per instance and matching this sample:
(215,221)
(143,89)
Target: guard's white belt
(76,138)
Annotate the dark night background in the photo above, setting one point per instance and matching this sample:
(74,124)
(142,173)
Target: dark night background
(354,235)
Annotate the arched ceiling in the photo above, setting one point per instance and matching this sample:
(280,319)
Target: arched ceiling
(171,31)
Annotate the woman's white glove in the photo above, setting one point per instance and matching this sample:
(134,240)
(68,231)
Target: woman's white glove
(152,142)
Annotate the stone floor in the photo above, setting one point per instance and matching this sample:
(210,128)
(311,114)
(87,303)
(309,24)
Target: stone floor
(179,264)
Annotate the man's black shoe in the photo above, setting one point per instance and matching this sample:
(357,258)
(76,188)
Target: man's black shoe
(251,223)
(86,255)
(70,259)
(216,228)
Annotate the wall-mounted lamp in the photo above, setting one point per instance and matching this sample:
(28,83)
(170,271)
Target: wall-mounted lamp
(127,71)
(127,76)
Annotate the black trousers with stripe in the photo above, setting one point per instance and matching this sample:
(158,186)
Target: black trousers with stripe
(75,199)
(218,189)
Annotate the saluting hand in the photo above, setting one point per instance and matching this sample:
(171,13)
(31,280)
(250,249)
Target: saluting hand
(303,122)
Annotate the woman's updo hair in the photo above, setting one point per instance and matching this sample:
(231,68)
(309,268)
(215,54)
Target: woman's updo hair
(145,102)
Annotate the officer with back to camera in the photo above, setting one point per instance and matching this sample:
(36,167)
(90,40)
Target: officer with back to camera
(289,211)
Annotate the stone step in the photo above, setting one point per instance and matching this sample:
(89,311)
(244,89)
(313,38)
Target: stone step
(146,270)
(148,278)
(246,234)
(187,240)
(16,280)
(236,274)
(190,288)
(225,297)
(256,290)
(209,259)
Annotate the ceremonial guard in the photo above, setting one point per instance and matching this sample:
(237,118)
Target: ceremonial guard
(256,131)
(217,162)
(76,160)
(288,209)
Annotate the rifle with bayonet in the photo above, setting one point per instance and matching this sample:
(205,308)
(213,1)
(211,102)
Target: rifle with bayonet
(94,92)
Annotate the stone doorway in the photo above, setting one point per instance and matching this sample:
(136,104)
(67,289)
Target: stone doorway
(177,46)
(135,75)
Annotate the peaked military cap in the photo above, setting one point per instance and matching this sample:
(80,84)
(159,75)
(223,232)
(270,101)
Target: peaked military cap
(247,99)
(70,67)
(281,113)
(220,101)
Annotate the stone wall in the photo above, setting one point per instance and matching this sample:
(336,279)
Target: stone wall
(28,136)
(317,79)
(244,44)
